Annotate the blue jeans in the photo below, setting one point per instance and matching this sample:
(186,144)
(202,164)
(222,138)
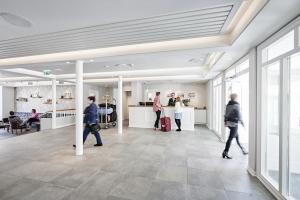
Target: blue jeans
(91,128)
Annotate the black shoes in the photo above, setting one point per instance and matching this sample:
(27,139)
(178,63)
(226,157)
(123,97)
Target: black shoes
(245,152)
(225,155)
(178,130)
(95,145)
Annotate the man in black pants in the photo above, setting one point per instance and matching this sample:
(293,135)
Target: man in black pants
(232,118)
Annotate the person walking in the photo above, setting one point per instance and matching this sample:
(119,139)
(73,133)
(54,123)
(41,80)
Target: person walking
(231,119)
(157,109)
(91,121)
(178,113)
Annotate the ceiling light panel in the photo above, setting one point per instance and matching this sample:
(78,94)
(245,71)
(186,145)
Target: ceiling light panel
(184,25)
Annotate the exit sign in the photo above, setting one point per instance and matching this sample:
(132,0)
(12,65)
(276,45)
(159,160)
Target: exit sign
(47,72)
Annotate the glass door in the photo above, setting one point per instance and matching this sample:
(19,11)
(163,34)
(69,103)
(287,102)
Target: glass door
(240,86)
(294,130)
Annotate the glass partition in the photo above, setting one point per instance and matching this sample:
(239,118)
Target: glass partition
(270,128)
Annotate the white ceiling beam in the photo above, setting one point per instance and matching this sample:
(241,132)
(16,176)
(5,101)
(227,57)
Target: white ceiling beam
(29,72)
(146,72)
(183,44)
(16,79)
(148,78)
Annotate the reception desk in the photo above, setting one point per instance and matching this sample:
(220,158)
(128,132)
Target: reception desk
(144,117)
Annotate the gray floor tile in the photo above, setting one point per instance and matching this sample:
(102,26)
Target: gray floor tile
(163,190)
(201,178)
(140,164)
(205,193)
(74,177)
(48,192)
(134,188)
(20,189)
(172,173)
(247,196)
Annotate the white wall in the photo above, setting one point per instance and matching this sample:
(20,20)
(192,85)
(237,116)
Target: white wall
(46,93)
(8,100)
(165,88)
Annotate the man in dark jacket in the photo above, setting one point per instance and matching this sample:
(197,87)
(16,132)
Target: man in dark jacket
(91,121)
(172,100)
(231,119)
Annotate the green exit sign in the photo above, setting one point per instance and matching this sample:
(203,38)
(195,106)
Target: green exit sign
(47,72)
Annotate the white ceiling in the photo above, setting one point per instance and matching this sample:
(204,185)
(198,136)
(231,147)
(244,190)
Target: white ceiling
(60,15)
(94,27)
(47,19)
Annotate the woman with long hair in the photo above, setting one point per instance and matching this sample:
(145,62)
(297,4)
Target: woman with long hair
(178,113)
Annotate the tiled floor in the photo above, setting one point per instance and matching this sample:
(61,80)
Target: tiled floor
(141,164)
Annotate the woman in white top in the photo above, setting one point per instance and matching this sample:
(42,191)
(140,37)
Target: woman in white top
(178,113)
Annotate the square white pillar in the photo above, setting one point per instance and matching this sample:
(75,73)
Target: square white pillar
(120,105)
(79,107)
(54,103)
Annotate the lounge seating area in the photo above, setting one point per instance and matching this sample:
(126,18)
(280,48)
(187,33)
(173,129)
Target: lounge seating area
(13,127)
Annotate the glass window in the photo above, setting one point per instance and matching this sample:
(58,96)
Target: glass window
(270,122)
(243,66)
(281,46)
(230,73)
(294,127)
(217,105)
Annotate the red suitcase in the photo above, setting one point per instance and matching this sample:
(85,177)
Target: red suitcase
(165,123)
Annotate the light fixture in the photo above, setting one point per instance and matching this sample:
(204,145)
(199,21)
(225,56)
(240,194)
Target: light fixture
(68,62)
(107,66)
(91,60)
(124,65)
(196,60)
(15,20)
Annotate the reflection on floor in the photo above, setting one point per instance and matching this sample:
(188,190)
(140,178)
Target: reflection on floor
(294,182)
(141,164)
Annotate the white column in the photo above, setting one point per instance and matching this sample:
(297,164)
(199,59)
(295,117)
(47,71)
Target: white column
(54,103)
(79,107)
(136,92)
(120,105)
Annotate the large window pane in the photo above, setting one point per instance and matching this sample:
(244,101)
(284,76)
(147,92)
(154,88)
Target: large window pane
(281,46)
(295,127)
(270,122)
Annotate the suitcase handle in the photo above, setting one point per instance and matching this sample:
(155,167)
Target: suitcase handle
(162,113)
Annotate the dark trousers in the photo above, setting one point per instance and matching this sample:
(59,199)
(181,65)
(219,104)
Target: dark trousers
(91,129)
(157,118)
(178,123)
(31,120)
(233,134)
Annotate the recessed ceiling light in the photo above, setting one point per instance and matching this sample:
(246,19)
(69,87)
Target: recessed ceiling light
(124,65)
(68,62)
(107,66)
(196,60)
(91,60)
(15,20)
